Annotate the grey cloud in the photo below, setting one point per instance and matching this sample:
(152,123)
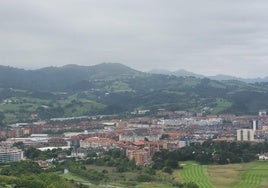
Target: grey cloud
(208,36)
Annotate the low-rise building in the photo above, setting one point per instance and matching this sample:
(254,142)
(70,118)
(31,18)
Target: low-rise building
(263,156)
(79,153)
(96,142)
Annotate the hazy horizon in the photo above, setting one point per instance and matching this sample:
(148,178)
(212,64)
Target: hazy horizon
(152,70)
(205,37)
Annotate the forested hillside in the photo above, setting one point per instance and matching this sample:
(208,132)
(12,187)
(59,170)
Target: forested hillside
(111,88)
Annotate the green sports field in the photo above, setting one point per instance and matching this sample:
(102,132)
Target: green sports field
(244,175)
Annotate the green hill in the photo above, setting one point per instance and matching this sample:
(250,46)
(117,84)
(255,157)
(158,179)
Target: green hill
(111,88)
(60,78)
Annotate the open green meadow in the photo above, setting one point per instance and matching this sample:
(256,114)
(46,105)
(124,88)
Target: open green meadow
(121,180)
(193,172)
(244,175)
(221,105)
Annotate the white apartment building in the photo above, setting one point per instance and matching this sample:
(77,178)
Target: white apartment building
(10,154)
(245,135)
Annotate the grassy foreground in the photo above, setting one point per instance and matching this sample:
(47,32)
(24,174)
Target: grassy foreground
(244,175)
(119,180)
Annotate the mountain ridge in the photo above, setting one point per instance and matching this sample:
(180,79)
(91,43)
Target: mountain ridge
(219,77)
(123,68)
(57,78)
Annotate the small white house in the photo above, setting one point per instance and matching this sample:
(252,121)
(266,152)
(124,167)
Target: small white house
(263,156)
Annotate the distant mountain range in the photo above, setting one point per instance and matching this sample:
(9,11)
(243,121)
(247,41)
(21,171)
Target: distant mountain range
(218,77)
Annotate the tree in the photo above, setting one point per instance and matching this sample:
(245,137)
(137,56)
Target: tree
(19,145)
(171,163)
(204,158)
(32,153)
(167,170)
(2,116)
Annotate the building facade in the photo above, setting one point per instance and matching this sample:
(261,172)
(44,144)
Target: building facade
(10,154)
(245,135)
(140,156)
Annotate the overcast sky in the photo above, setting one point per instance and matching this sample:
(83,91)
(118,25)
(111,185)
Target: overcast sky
(203,36)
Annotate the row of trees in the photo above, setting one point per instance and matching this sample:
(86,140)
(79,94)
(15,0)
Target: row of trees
(2,117)
(209,152)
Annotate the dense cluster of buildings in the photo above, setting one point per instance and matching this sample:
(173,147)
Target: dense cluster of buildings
(140,137)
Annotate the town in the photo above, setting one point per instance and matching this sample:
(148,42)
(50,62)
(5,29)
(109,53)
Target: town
(139,136)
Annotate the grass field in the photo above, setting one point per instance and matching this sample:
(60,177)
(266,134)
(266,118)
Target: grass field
(121,180)
(255,175)
(245,175)
(193,172)
(221,105)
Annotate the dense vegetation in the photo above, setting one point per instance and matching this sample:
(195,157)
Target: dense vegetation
(113,168)
(113,88)
(29,174)
(108,168)
(113,165)
(209,152)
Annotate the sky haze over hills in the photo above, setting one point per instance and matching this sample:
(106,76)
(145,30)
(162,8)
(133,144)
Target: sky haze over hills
(206,37)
